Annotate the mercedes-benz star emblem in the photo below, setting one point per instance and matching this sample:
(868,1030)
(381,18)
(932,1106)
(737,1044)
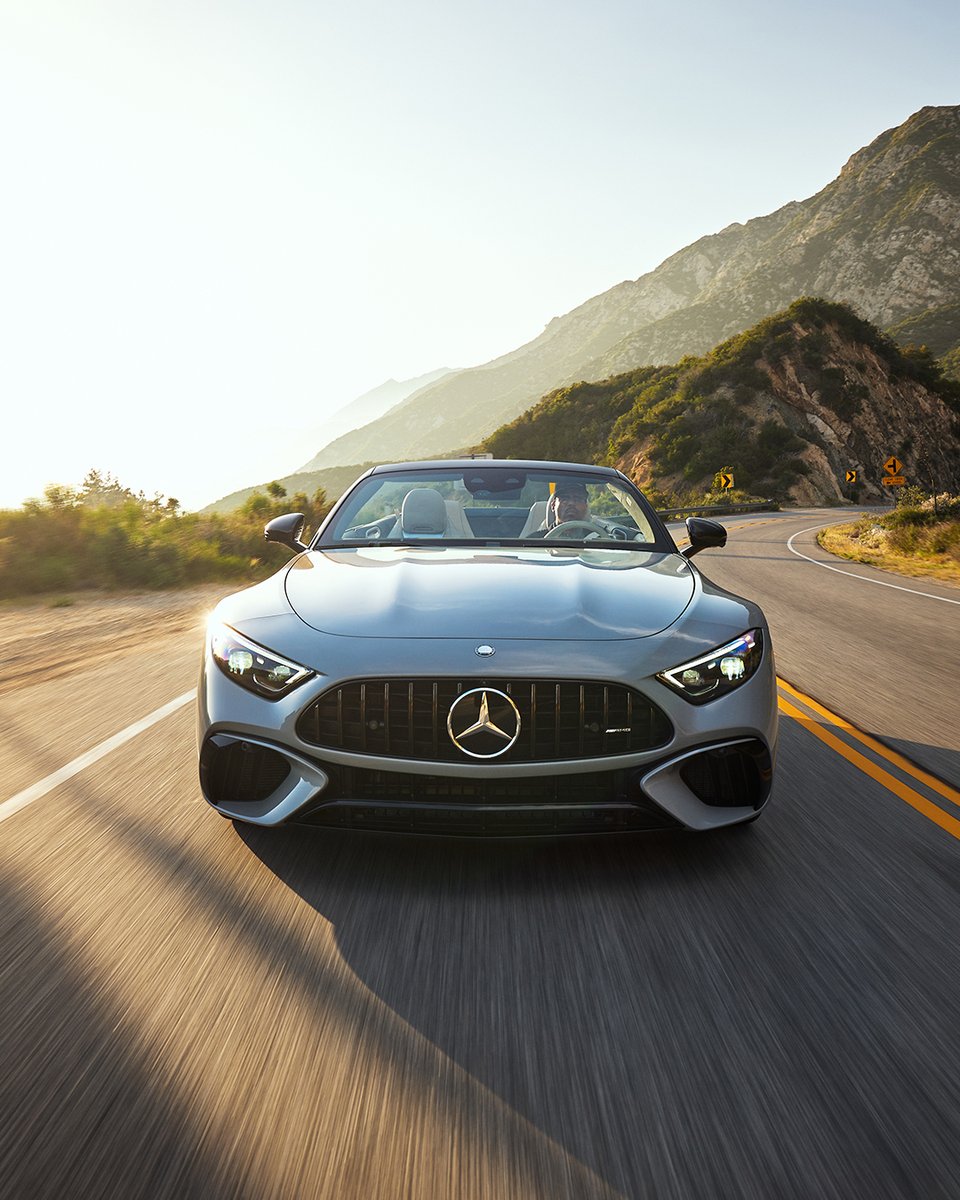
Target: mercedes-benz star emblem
(487,719)
(485,651)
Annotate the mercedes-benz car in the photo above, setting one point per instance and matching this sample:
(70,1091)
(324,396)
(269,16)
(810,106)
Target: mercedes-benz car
(493,647)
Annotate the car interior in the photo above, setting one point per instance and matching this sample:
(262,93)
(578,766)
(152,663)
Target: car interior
(477,508)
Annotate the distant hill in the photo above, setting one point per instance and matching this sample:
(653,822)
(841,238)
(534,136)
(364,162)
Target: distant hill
(368,407)
(310,476)
(333,480)
(790,405)
(882,237)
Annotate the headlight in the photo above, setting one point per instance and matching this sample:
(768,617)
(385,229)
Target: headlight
(719,672)
(253,667)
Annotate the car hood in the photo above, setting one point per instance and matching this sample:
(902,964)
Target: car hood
(455,592)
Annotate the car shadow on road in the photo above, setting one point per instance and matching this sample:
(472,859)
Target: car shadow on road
(544,968)
(677,1012)
(84,1111)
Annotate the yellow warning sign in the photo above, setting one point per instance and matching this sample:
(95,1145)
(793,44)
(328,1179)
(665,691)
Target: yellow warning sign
(894,480)
(726,479)
(851,477)
(893,465)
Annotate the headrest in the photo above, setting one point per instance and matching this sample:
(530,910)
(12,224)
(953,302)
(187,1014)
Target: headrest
(423,512)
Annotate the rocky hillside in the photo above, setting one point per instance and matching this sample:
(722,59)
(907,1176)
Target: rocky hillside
(951,364)
(790,405)
(936,328)
(884,237)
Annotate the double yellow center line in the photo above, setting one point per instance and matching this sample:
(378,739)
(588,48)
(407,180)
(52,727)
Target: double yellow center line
(817,717)
(891,782)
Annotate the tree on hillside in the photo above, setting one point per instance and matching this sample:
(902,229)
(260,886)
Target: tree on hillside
(100,489)
(57,496)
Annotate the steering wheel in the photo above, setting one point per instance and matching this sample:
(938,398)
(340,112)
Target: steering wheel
(565,527)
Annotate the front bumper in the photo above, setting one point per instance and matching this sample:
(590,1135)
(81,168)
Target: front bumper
(261,782)
(715,770)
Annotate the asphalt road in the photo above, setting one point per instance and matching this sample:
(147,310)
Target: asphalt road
(881,649)
(190,1008)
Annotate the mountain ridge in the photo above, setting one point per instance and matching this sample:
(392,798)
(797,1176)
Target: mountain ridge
(884,237)
(370,406)
(789,405)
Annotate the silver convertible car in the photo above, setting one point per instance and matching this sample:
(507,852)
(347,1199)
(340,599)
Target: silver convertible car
(493,647)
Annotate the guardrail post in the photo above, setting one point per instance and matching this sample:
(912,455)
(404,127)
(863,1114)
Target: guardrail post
(759,506)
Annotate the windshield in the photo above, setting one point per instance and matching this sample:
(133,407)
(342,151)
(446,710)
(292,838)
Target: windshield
(486,505)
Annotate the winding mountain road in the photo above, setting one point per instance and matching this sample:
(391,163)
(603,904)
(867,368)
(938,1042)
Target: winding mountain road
(196,1009)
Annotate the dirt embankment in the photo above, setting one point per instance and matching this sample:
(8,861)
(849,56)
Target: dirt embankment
(40,640)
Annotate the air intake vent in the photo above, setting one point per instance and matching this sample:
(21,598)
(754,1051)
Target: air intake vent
(730,776)
(234,772)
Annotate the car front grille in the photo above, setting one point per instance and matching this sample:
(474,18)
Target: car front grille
(559,719)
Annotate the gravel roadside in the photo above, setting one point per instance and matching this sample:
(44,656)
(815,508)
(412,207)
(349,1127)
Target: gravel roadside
(39,639)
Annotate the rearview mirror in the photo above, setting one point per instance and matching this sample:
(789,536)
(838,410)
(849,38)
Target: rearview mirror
(502,482)
(702,534)
(286,530)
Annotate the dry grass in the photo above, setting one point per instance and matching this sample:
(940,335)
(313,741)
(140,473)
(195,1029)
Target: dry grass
(928,552)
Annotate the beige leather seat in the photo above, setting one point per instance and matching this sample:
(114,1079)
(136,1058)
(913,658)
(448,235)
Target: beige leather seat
(535,518)
(457,524)
(423,514)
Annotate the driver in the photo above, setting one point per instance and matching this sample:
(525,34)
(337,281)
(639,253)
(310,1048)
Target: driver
(567,503)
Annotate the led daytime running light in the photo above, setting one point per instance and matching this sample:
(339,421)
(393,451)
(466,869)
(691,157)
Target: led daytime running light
(719,672)
(254,667)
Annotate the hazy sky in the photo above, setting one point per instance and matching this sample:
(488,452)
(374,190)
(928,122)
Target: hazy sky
(221,221)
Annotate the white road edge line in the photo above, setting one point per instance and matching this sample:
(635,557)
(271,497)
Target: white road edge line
(853,575)
(36,790)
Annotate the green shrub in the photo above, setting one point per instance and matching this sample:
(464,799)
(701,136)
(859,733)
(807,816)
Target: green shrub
(691,417)
(103,536)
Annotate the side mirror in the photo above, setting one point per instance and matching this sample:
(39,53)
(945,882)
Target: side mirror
(286,530)
(702,533)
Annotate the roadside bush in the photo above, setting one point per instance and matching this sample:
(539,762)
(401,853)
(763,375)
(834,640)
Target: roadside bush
(104,536)
(905,539)
(944,538)
(921,526)
(917,507)
(905,515)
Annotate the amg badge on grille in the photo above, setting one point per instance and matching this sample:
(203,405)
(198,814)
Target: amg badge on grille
(486,719)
